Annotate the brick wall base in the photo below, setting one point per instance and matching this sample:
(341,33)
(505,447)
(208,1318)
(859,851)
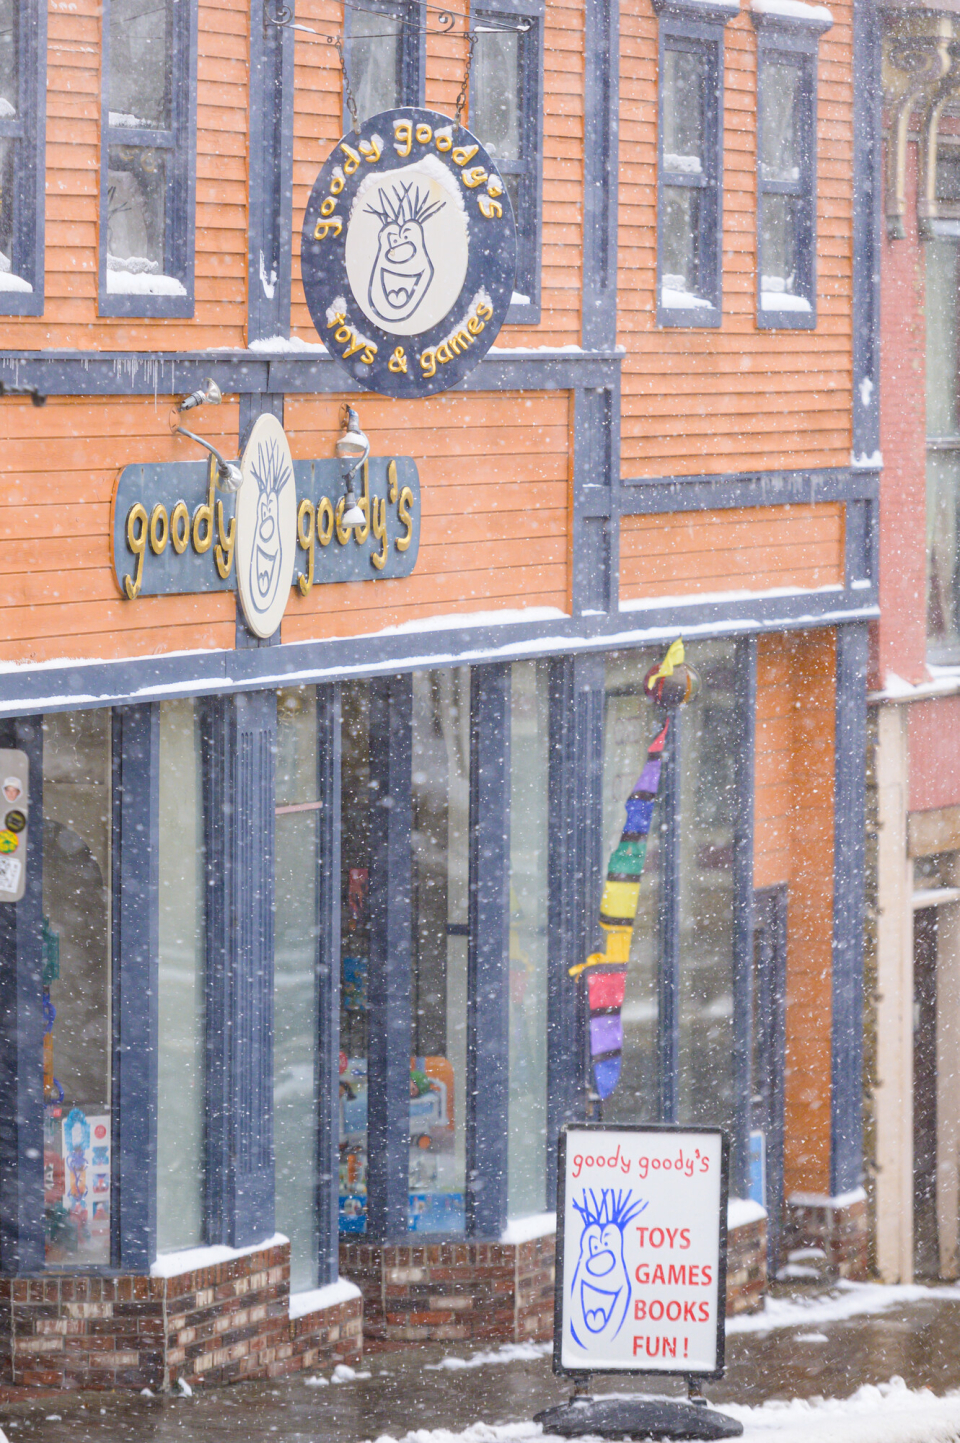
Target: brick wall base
(746,1267)
(454,1291)
(218,1324)
(838,1226)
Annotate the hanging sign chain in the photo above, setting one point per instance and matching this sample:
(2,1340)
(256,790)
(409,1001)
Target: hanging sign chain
(462,97)
(347,87)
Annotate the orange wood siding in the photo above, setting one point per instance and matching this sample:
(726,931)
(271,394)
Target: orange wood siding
(794,844)
(58,595)
(73,188)
(494,485)
(318,125)
(748,549)
(735,398)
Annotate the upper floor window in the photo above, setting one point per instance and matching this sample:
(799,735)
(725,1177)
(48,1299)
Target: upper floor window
(505,114)
(385,56)
(23,36)
(690,163)
(148,163)
(942,310)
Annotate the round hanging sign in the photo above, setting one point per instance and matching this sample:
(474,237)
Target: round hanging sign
(409,253)
(266,538)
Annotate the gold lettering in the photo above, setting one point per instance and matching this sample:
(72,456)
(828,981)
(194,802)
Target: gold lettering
(137,541)
(403,512)
(328,205)
(352,161)
(444,353)
(223,551)
(360,533)
(474,326)
(392,479)
(203,516)
(368,354)
(492,209)
(180,527)
(159,529)
(324,227)
(424,134)
(444,138)
(355,345)
(324,521)
(337,320)
(494,186)
(459,341)
(484,310)
(403,136)
(398,362)
(471,178)
(338,181)
(428,362)
(464,154)
(371,149)
(343,335)
(379,524)
(306,535)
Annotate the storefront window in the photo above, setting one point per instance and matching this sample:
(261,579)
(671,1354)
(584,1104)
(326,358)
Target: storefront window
(630,725)
(529,831)
(440,861)
(703,742)
(354,951)
(181,1093)
(76,986)
(297,931)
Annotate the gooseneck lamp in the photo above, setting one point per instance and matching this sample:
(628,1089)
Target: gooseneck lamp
(229,475)
(352,450)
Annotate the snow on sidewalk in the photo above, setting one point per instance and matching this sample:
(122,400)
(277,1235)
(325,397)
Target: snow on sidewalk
(890,1413)
(845,1300)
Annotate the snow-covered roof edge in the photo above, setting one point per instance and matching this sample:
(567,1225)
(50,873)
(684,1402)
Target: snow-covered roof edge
(796,10)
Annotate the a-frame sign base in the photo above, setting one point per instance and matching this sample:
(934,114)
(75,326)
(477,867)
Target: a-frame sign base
(636,1418)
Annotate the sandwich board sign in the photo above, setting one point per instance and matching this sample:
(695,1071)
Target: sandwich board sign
(641,1250)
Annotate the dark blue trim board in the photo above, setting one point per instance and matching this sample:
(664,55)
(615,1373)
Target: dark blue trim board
(135,983)
(601,166)
(850,753)
(27,130)
(488,951)
(328,984)
(271,178)
(867,208)
(21,1034)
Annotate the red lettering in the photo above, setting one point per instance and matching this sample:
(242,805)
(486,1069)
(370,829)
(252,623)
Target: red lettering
(656,1317)
(694,1270)
(684,1237)
(689,1312)
(658,1276)
(640,1310)
(652,1352)
(672,1235)
(641,1231)
(637,1345)
(704,1312)
(669,1347)
(643,1273)
(654,1234)
(707,1276)
(673,1311)
(677,1276)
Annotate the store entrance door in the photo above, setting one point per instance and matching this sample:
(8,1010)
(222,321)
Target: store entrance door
(769,1028)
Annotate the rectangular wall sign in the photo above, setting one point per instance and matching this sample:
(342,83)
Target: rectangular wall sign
(174,532)
(641,1250)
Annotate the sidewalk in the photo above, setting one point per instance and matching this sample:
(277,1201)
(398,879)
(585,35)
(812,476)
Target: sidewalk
(843,1345)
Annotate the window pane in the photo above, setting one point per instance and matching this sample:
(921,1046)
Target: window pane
(943,532)
(495,92)
(529,831)
(9,60)
(948,175)
(8,161)
(295,983)
(708,754)
(375,64)
(781,121)
(943,278)
(355,815)
(780,217)
(440,856)
(630,725)
(680,240)
(76,1047)
(683,84)
(136,196)
(181,1093)
(140,63)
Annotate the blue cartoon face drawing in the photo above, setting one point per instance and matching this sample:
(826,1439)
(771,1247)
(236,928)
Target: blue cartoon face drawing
(403,271)
(600,1291)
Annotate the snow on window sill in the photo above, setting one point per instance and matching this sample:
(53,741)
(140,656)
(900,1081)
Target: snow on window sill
(793,10)
(517,299)
(674,300)
(781,301)
(122,121)
(682,164)
(123,283)
(10,282)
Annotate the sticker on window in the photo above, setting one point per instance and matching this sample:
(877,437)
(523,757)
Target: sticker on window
(10,869)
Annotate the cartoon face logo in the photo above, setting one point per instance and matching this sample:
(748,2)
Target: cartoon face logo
(600,1290)
(266,526)
(402,271)
(407,246)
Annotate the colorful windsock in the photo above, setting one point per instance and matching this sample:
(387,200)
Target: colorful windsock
(607,974)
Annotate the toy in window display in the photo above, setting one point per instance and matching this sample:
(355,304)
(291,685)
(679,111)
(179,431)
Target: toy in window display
(671,684)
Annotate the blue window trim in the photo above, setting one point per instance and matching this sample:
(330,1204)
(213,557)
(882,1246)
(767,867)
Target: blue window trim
(28,129)
(784,40)
(180,142)
(689,25)
(413,54)
(530,170)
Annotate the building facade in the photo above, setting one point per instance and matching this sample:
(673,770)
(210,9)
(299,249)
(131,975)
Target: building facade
(288,1030)
(914,781)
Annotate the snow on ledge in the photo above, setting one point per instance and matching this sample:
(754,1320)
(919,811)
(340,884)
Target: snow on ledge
(823,1200)
(784,301)
(285,345)
(128,283)
(524,1230)
(10,282)
(793,10)
(743,1210)
(171,1265)
(318,1299)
